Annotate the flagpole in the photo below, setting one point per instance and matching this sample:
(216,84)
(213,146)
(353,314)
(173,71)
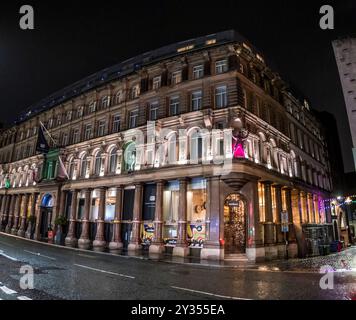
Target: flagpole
(43,126)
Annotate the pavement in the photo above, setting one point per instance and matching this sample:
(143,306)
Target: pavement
(61,273)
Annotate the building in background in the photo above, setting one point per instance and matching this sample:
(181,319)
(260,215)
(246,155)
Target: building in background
(197,148)
(345,53)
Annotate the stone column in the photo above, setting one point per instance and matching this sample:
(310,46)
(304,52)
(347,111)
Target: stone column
(311,208)
(2,210)
(181,249)
(157,246)
(32,216)
(212,249)
(84,241)
(99,242)
(17,213)
(71,240)
(268,225)
(62,203)
(22,229)
(279,209)
(136,223)
(291,233)
(13,200)
(116,241)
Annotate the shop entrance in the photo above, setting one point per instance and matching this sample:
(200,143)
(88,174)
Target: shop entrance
(127,216)
(46,216)
(234,224)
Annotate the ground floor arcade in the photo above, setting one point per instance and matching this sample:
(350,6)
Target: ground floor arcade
(182,213)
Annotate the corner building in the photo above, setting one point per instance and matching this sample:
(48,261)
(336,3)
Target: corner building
(192,149)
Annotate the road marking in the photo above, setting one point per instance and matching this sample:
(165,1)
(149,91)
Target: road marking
(86,256)
(39,255)
(7,290)
(103,271)
(6,256)
(23,298)
(209,294)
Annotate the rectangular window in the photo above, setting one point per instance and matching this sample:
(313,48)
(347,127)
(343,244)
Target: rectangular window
(197,100)
(75,136)
(116,121)
(174,106)
(79,112)
(221,97)
(101,128)
(135,91)
(153,111)
(59,120)
(69,116)
(92,107)
(133,119)
(157,81)
(221,66)
(176,77)
(261,200)
(64,139)
(88,132)
(198,72)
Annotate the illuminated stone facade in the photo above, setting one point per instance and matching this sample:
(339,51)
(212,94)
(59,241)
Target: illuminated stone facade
(190,149)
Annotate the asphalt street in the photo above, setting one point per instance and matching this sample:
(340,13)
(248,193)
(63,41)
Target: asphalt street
(61,273)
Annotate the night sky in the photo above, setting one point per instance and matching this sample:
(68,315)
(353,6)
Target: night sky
(74,39)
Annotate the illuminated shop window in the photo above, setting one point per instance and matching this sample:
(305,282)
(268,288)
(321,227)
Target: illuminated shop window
(94,208)
(284,200)
(261,201)
(274,204)
(170,211)
(110,205)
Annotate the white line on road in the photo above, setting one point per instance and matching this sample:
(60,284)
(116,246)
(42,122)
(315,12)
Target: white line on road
(103,271)
(39,255)
(23,298)
(209,294)
(7,290)
(6,256)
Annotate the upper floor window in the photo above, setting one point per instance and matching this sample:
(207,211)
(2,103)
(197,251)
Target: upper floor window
(27,133)
(133,119)
(119,97)
(221,66)
(116,121)
(176,77)
(59,120)
(75,137)
(113,160)
(69,115)
(101,127)
(21,135)
(105,102)
(92,106)
(153,111)
(157,82)
(50,123)
(98,162)
(64,139)
(221,97)
(135,91)
(196,100)
(174,106)
(80,112)
(198,72)
(88,132)
(83,166)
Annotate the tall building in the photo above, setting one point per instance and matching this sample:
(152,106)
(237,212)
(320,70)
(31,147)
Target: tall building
(345,53)
(197,148)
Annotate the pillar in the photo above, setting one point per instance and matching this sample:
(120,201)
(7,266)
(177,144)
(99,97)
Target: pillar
(71,240)
(136,223)
(279,209)
(99,242)
(269,225)
(18,204)
(22,229)
(291,233)
(157,246)
(13,200)
(181,249)
(116,241)
(31,221)
(84,241)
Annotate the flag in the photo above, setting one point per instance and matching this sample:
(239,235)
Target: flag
(42,144)
(62,172)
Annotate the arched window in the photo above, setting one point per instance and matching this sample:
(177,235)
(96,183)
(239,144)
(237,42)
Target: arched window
(196,146)
(113,160)
(98,162)
(71,168)
(83,166)
(130,156)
